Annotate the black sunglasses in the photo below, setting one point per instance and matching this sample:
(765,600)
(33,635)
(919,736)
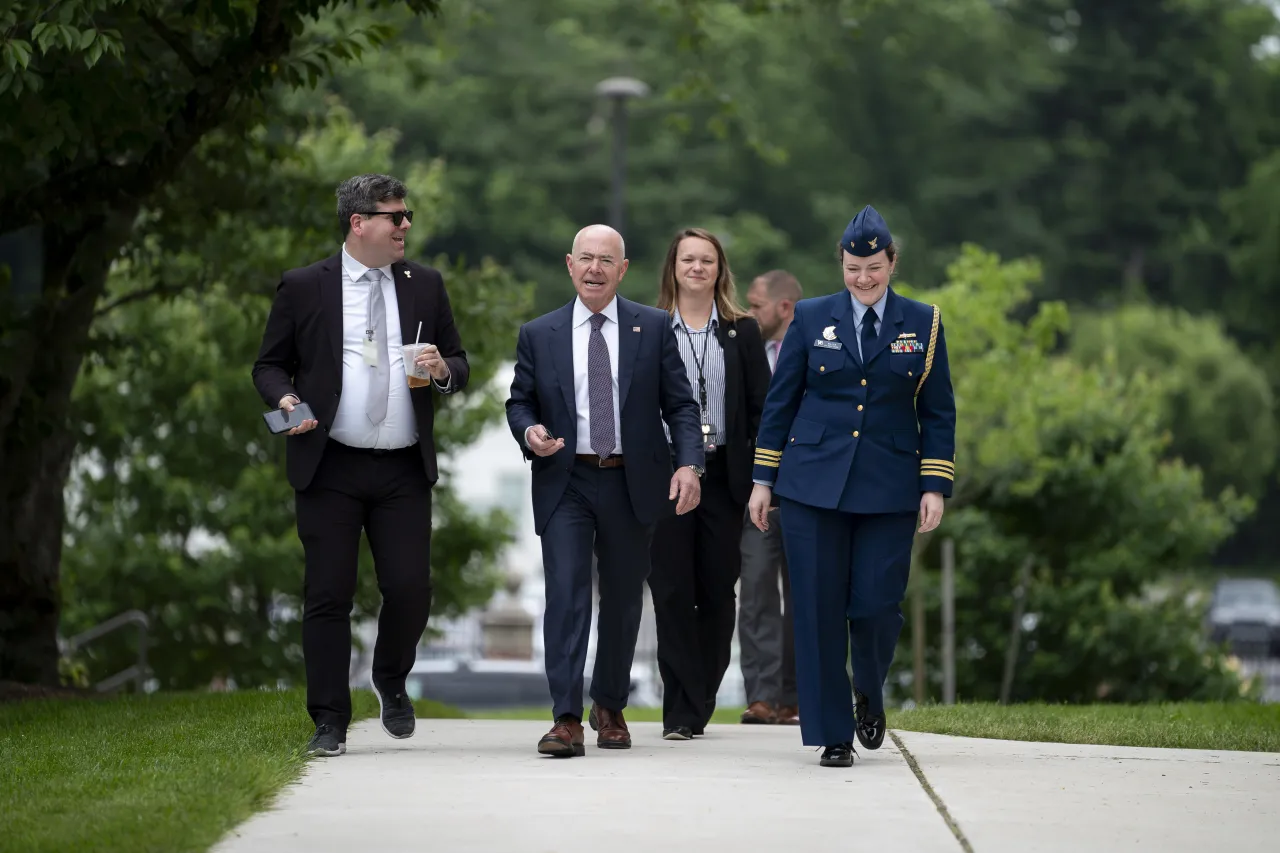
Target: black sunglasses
(397,216)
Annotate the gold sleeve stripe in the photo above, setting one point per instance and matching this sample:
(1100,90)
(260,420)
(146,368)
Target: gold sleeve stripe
(946,475)
(768,464)
(760,451)
(940,463)
(928,358)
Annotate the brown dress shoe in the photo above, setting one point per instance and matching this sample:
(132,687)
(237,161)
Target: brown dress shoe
(788,715)
(565,740)
(612,728)
(759,713)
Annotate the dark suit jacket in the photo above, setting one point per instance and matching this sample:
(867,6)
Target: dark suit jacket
(746,384)
(302,352)
(652,387)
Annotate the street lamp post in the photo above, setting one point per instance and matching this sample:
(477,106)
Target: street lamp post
(619,90)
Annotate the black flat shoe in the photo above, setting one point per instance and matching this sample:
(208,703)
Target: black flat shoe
(677,733)
(871,727)
(838,755)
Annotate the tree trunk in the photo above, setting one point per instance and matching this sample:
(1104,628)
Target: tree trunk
(43,347)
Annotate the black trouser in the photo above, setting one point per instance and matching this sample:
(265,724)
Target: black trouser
(594,514)
(696,560)
(387,495)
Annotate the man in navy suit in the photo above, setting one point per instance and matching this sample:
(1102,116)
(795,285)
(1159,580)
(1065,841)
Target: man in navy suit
(600,483)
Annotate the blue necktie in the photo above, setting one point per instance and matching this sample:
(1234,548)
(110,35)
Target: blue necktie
(868,333)
(600,390)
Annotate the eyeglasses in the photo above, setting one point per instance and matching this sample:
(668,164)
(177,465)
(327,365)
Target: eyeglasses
(397,216)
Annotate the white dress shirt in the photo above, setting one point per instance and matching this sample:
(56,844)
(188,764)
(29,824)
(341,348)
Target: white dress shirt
(581,391)
(350,425)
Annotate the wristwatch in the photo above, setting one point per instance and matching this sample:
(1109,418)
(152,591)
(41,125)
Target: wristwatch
(697,470)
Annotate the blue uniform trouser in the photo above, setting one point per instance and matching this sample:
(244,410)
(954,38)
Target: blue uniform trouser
(848,578)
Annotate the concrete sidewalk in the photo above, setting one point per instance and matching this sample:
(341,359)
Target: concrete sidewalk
(479,785)
(1008,796)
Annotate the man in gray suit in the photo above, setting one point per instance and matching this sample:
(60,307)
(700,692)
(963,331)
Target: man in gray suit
(765,627)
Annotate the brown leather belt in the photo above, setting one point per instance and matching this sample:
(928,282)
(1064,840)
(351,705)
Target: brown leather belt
(606,462)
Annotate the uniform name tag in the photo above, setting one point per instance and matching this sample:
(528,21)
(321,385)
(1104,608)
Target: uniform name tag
(827,344)
(370,353)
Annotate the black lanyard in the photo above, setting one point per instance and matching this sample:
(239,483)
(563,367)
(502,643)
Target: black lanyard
(702,380)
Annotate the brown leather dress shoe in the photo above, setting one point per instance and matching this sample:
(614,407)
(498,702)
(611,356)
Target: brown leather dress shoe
(788,715)
(759,713)
(565,740)
(612,728)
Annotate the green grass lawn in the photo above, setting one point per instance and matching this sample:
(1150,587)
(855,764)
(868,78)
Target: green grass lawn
(1247,726)
(174,772)
(169,772)
(1244,726)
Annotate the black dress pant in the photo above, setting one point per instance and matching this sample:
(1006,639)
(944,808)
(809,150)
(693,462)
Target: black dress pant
(387,495)
(696,561)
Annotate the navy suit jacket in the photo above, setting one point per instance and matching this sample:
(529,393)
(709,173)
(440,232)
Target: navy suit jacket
(652,387)
(863,435)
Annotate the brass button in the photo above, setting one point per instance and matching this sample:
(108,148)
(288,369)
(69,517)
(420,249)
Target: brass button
(859,408)
(908,372)
(855,433)
(822,369)
(793,439)
(864,382)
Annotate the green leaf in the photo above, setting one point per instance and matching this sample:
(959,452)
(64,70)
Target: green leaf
(42,34)
(87,38)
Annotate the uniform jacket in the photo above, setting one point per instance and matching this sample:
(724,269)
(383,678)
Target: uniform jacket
(859,436)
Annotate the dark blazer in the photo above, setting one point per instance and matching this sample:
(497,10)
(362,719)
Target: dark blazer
(652,387)
(746,383)
(860,435)
(302,352)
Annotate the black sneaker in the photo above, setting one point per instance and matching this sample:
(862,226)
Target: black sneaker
(326,742)
(871,727)
(677,733)
(838,755)
(395,711)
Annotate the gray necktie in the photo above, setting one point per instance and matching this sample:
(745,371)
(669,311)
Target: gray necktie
(600,390)
(380,380)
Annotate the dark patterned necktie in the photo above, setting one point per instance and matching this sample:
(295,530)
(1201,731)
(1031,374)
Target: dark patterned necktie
(600,390)
(868,332)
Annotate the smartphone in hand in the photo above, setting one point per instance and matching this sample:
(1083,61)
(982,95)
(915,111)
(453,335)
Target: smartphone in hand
(278,420)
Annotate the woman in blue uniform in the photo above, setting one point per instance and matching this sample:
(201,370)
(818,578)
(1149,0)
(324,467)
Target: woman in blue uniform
(858,441)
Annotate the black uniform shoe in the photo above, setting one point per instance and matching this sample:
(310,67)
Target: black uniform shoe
(838,755)
(396,712)
(871,727)
(677,733)
(327,742)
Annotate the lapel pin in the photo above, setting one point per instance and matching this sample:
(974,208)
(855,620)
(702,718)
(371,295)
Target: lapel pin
(733,333)
(829,333)
(408,274)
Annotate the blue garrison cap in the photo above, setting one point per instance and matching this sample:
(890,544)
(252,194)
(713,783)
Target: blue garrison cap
(866,234)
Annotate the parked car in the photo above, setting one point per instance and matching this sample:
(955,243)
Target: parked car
(1245,613)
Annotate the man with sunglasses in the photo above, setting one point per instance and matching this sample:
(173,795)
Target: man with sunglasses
(368,460)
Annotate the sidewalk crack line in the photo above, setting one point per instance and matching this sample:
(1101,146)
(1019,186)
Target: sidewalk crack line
(933,795)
